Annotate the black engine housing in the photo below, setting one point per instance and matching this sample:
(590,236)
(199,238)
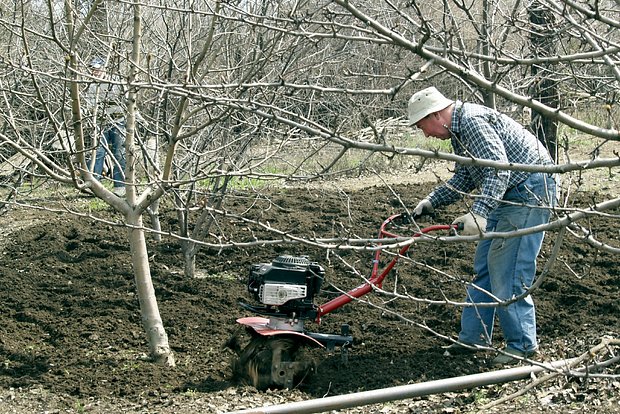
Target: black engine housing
(287,286)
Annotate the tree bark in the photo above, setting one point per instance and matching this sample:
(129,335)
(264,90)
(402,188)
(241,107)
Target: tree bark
(545,88)
(157,338)
(189,262)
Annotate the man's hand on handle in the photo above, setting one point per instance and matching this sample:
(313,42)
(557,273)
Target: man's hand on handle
(473,224)
(423,208)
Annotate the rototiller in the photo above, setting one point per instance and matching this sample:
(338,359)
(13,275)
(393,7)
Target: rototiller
(286,289)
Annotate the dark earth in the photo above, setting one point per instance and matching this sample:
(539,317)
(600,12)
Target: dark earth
(71,338)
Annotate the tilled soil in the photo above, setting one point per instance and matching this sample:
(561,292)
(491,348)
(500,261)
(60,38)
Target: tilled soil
(71,338)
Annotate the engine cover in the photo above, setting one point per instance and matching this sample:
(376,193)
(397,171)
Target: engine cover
(287,285)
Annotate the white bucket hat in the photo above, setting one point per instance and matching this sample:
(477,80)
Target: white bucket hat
(426,102)
(97,63)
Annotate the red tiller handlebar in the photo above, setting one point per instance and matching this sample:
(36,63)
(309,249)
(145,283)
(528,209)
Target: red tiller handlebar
(376,278)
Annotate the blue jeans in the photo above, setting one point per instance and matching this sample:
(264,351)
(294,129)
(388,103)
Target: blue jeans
(507,267)
(112,139)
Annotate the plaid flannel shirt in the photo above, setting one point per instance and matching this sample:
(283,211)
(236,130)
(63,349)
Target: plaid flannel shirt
(107,96)
(481,132)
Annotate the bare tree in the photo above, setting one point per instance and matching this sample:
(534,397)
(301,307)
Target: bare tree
(244,92)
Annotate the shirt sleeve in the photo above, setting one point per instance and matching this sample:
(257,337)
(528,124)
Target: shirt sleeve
(90,96)
(453,189)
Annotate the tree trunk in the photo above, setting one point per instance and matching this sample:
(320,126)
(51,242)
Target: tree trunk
(545,88)
(489,96)
(189,256)
(152,164)
(153,212)
(156,334)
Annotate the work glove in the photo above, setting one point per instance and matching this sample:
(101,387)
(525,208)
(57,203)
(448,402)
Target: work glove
(423,208)
(473,224)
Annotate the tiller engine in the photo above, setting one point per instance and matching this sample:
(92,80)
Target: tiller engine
(286,289)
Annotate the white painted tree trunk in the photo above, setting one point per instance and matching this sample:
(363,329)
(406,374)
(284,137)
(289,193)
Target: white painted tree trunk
(153,325)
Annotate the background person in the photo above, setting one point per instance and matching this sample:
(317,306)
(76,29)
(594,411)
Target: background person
(105,97)
(507,201)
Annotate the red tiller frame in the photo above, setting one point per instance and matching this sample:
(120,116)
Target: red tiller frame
(376,278)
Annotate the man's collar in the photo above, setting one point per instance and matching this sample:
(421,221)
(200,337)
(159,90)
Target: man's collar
(455,124)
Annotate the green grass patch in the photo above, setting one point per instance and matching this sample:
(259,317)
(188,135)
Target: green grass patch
(219,275)
(419,141)
(96,204)
(246,183)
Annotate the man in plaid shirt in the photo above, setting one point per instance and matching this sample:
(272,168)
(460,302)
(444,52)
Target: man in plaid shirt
(505,201)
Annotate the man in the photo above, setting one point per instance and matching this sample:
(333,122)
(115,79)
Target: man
(507,201)
(105,99)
